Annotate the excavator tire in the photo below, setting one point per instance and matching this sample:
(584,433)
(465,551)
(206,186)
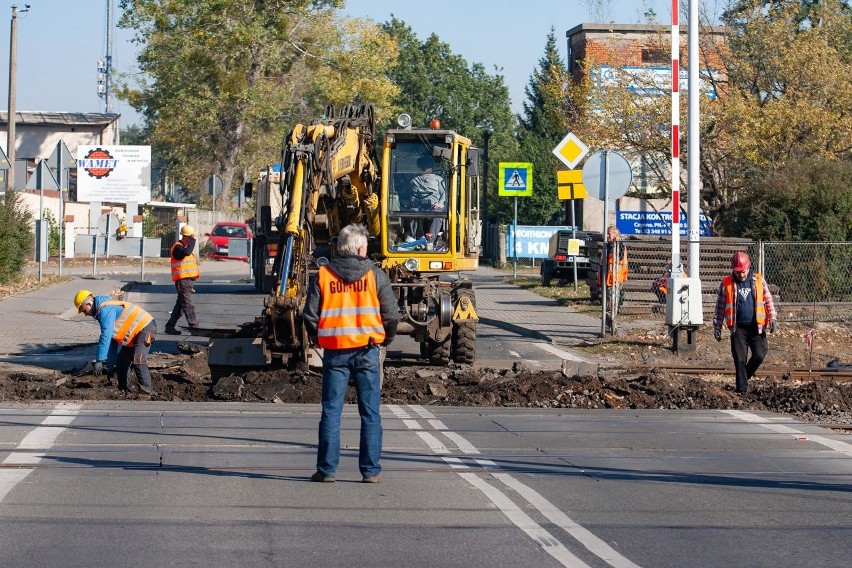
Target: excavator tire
(464,343)
(437,352)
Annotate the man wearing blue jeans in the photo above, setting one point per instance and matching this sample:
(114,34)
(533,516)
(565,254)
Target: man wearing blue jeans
(350,311)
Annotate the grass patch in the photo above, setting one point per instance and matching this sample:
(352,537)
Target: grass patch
(563,295)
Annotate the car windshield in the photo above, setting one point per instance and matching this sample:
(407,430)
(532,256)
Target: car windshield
(234,231)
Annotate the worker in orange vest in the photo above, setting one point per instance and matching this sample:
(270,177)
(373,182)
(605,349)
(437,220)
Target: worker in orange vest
(127,332)
(350,311)
(745,306)
(184,274)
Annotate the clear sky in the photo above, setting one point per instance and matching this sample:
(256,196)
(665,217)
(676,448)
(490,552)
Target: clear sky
(60,41)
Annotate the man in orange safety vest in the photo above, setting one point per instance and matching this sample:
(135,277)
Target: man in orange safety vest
(350,311)
(745,306)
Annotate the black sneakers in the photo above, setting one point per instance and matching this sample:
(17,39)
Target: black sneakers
(320,477)
(170,330)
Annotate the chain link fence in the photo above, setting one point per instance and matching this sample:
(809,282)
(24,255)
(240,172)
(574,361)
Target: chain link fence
(808,273)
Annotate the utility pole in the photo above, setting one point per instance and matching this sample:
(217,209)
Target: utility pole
(13,63)
(105,64)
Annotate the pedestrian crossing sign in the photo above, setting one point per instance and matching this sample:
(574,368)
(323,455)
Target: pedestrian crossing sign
(516,179)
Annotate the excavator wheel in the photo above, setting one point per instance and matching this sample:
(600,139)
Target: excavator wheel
(464,343)
(464,335)
(437,352)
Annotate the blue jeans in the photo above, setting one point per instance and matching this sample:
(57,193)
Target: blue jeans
(363,366)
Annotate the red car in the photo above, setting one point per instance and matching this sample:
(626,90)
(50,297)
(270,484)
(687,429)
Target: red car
(220,238)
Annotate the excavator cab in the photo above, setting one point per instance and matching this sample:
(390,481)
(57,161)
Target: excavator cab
(430,232)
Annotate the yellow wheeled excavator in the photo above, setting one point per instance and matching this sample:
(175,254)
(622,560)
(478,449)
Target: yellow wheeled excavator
(421,235)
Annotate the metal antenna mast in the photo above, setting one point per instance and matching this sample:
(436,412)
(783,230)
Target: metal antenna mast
(105,64)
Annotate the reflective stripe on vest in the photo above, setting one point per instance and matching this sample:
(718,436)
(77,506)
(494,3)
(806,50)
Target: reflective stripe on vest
(184,268)
(129,323)
(350,312)
(731,301)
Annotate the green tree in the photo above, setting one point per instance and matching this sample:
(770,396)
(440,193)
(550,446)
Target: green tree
(433,82)
(807,200)
(16,236)
(542,126)
(225,79)
(786,99)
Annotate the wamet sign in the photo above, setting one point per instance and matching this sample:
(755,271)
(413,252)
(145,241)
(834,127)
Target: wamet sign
(117,174)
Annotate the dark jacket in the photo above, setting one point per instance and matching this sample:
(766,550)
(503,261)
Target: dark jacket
(352,268)
(182,251)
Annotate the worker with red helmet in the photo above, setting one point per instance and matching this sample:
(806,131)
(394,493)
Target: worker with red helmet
(745,306)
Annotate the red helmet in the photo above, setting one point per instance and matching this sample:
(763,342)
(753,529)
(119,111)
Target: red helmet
(740,261)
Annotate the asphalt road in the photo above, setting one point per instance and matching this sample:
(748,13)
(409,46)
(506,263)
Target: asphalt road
(221,484)
(168,484)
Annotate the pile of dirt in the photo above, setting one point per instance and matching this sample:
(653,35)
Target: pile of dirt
(631,377)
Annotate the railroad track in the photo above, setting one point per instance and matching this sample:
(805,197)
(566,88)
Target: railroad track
(840,374)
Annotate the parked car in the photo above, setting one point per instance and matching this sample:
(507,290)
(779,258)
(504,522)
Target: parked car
(220,238)
(560,260)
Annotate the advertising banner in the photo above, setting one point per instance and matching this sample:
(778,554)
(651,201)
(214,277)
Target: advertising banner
(656,224)
(116,174)
(532,241)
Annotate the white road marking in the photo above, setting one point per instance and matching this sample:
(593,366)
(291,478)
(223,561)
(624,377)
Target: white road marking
(424,413)
(550,544)
(412,424)
(462,444)
(42,438)
(583,535)
(434,443)
(844,448)
(514,354)
(560,353)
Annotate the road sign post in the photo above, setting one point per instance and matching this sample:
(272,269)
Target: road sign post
(607,175)
(516,180)
(214,187)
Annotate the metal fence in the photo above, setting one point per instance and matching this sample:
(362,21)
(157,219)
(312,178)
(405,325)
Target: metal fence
(808,272)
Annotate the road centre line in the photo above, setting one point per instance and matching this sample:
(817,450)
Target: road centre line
(590,541)
(523,521)
(433,422)
(594,544)
(41,438)
(844,448)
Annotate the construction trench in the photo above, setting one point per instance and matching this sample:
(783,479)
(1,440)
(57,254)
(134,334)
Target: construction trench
(636,371)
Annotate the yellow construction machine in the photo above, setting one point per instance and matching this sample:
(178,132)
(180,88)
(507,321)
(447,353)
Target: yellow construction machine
(330,177)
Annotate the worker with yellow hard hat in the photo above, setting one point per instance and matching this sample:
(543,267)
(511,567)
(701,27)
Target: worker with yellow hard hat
(184,274)
(127,332)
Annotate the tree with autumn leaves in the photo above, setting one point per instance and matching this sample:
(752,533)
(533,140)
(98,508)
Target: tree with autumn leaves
(776,142)
(224,80)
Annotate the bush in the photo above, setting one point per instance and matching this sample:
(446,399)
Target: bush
(16,237)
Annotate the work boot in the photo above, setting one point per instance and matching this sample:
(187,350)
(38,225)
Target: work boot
(147,390)
(374,479)
(319,477)
(170,330)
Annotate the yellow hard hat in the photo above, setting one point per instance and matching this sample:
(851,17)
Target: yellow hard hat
(187,231)
(80,299)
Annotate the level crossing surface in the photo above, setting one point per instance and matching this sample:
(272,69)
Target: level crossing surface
(226,484)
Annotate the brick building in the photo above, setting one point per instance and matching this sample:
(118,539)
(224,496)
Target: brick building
(643,51)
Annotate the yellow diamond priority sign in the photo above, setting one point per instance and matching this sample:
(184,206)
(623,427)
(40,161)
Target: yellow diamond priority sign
(570,151)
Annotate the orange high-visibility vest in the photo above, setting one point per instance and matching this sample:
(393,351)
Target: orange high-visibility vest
(350,312)
(622,268)
(185,268)
(129,323)
(731,300)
